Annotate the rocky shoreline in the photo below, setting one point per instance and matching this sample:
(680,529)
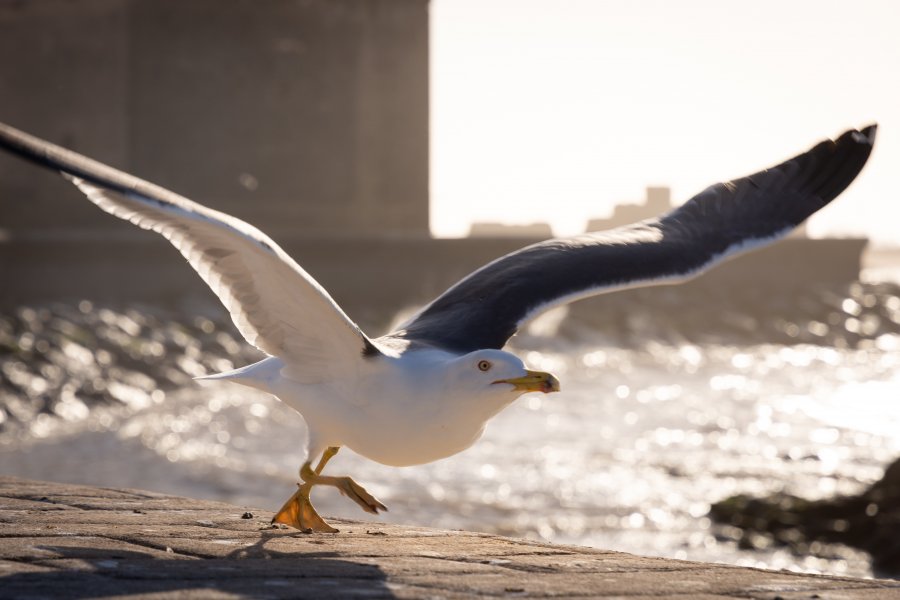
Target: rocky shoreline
(869,521)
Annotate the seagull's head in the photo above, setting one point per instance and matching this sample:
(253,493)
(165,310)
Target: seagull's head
(495,378)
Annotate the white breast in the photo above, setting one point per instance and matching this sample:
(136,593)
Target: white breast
(400,411)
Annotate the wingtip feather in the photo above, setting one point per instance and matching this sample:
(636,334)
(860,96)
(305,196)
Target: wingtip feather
(864,135)
(870,131)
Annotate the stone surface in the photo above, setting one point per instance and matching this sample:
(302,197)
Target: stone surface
(68,541)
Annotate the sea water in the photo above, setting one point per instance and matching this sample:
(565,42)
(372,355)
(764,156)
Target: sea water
(643,437)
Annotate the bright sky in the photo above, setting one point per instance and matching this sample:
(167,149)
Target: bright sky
(556,110)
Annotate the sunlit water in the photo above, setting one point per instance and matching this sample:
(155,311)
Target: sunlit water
(628,456)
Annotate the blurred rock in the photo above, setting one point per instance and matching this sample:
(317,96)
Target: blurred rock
(869,521)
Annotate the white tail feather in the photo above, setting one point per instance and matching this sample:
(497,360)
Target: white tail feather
(260,375)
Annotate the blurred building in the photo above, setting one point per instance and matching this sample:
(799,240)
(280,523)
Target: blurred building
(303,117)
(659,200)
(503,230)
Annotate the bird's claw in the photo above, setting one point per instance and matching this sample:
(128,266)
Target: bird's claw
(358,494)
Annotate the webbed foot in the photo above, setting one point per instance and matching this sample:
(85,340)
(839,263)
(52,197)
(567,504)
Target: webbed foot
(298,512)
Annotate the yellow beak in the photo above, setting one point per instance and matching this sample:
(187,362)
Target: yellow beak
(534,381)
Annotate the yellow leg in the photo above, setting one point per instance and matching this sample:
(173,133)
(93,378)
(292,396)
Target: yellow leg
(329,453)
(346,486)
(298,511)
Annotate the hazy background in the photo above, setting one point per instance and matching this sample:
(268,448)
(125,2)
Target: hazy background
(580,104)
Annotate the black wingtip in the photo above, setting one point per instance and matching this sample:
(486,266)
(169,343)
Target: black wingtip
(838,163)
(864,137)
(869,132)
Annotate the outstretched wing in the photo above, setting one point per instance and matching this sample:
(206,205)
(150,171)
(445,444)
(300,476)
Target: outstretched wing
(274,303)
(486,308)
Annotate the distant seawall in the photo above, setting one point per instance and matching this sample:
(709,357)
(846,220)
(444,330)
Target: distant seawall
(371,278)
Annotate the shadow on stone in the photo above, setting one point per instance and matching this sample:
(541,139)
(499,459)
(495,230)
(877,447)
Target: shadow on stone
(96,572)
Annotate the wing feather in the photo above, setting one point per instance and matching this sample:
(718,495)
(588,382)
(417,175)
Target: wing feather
(486,308)
(275,304)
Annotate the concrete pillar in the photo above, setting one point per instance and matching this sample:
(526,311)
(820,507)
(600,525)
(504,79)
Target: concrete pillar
(304,117)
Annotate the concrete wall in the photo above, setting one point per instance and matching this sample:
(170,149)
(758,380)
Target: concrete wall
(304,117)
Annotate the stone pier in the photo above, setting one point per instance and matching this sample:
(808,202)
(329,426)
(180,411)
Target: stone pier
(71,541)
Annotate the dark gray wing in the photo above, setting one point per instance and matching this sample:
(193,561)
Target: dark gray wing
(275,304)
(486,308)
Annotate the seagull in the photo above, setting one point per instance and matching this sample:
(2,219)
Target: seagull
(426,390)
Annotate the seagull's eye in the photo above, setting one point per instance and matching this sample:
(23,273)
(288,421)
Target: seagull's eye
(484,365)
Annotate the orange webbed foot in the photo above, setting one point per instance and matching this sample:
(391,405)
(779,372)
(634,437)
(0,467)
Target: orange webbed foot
(298,512)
